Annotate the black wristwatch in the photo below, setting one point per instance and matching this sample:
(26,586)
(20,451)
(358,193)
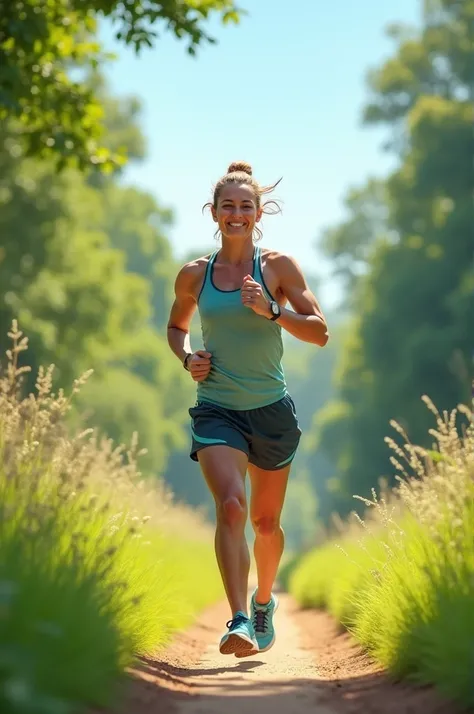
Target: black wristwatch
(185,360)
(276,310)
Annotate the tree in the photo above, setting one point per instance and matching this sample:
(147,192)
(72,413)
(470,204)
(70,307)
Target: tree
(40,42)
(411,309)
(59,275)
(86,269)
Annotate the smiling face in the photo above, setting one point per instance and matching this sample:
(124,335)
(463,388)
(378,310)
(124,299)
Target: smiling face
(236,212)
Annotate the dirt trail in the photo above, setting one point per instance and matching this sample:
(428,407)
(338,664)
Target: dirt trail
(312,667)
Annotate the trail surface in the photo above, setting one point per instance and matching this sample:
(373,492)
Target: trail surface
(313,667)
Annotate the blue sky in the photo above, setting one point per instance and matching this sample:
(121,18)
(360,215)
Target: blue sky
(283,90)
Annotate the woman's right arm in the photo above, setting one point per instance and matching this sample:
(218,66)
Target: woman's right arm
(182,311)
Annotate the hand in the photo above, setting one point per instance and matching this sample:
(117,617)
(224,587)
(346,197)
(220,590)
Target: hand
(253,297)
(199,365)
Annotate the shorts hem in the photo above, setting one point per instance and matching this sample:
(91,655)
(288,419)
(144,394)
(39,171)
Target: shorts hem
(200,447)
(272,468)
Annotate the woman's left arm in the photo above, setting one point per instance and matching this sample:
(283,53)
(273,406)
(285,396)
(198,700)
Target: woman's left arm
(307,322)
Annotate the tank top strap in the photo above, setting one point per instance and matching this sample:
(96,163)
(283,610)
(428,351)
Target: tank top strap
(208,274)
(258,272)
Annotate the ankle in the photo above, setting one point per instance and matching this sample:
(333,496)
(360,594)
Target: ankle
(262,597)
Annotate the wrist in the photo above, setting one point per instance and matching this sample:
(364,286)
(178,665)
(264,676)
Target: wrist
(274,310)
(186,359)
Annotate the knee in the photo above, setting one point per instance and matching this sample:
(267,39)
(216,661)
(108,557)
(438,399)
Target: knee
(266,525)
(232,511)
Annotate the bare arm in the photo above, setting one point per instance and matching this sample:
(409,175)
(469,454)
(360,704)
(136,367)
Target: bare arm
(184,306)
(182,311)
(307,322)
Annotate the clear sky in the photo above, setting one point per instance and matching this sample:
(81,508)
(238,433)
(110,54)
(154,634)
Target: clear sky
(283,90)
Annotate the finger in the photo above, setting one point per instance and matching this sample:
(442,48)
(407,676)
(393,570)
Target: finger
(200,370)
(202,353)
(200,377)
(248,280)
(200,361)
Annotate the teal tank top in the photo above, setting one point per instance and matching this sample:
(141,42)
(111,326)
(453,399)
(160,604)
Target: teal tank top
(246,349)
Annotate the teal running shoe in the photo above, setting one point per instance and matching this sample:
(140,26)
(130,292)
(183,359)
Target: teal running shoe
(262,621)
(240,639)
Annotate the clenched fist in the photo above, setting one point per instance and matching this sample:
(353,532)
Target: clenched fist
(253,297)
(199,365)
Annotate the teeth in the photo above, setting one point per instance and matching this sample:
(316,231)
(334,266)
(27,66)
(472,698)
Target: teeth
(236,225)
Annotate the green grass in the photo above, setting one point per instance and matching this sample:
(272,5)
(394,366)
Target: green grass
(96,566)
(406,590)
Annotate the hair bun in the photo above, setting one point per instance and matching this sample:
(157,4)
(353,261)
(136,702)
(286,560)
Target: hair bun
(240,167)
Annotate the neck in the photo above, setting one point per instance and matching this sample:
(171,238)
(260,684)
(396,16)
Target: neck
(235,252)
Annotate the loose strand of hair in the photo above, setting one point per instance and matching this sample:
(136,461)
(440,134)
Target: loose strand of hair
(271,187)
(271,208)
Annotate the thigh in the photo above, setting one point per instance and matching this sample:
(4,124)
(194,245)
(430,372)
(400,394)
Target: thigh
(224,469)
(268,490)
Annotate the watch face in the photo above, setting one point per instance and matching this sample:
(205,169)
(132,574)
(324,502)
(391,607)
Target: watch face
(275,308)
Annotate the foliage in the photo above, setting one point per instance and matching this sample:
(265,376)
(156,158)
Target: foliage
(404,583)
(94,566)
(40,42)
(407,251)
(86,268)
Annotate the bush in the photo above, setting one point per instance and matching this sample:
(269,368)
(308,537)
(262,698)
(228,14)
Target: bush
(95,566)
(403,582)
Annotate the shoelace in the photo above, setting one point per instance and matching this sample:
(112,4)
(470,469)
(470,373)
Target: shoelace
(236,621)
(260,620)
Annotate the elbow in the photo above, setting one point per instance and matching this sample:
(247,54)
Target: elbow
(322,336)
(324,340)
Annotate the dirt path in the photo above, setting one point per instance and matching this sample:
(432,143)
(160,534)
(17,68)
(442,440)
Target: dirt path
(312,668)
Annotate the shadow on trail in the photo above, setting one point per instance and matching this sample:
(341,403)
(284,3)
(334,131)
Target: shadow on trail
(172,690)
(163,668)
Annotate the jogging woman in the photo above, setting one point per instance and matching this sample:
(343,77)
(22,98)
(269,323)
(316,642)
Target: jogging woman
(244,418)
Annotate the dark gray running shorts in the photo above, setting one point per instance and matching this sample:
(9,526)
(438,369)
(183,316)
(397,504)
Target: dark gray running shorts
(268,435)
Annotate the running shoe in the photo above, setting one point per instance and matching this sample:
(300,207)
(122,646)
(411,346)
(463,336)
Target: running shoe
(262,621)
(240,637)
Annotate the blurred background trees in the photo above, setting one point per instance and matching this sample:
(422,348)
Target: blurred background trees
(87,267)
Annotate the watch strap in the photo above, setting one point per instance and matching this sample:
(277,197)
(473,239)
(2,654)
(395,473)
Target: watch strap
(276,315)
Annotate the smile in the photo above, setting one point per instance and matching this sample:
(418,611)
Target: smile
(237,225)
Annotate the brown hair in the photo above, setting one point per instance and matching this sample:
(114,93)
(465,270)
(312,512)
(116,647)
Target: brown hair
(240,172)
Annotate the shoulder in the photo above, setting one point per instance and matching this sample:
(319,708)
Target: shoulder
(191,275)
(282,264)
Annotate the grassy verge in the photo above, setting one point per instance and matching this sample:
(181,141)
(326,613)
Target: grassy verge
(403,581)
(96,566)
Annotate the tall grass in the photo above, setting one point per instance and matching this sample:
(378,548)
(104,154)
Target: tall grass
(403,580)
(96,565)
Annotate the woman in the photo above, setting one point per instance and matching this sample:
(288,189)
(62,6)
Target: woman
(244,419)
